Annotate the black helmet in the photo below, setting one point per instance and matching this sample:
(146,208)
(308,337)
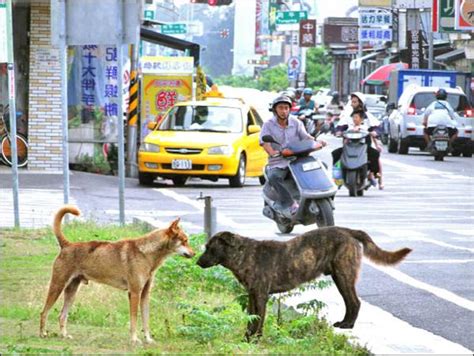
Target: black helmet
(441,94)
(281,99)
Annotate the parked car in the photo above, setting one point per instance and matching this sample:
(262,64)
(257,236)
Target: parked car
(405,121)
(210,139)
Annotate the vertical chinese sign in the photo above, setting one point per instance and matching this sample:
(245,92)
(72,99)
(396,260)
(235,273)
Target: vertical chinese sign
(92,98)
(307,33)
(166,81)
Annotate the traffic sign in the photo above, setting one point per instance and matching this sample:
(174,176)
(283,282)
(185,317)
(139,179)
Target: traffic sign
(294,63)
(290,17)
(149,14)
(174,29)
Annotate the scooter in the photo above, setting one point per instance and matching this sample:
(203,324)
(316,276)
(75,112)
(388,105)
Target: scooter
(310,121)
(439,142)
(309,183)
(354,162)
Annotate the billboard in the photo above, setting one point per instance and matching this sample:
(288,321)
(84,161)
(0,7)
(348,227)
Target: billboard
(166,81)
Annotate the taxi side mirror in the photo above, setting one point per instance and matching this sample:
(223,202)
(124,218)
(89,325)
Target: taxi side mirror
(253,129)
(151,125)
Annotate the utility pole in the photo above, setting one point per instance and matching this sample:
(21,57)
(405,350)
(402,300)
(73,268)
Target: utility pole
(12,105)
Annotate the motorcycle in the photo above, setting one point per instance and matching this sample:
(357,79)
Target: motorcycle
(310,121)
(309,183)
(354,163)
(439,142)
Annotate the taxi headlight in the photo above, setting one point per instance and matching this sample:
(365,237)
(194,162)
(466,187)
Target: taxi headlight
(221,150)
(149,147)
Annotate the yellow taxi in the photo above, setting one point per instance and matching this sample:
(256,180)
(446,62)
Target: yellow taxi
(210,139)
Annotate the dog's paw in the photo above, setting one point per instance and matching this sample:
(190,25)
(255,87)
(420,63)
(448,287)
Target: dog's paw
(43,334)
(149,340)
(343,325)
(135,341)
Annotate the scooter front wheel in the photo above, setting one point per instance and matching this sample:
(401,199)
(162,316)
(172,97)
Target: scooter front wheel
(285,228)
(325,216)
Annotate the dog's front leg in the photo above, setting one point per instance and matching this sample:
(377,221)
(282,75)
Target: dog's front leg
(257,307)
(134,298)
(145,309)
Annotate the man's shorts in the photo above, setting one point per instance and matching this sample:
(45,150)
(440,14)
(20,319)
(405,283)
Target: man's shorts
(451,131)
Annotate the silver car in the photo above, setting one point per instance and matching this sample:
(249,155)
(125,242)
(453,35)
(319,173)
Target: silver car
(405,122)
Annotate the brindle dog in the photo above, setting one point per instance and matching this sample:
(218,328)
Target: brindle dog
(266,267)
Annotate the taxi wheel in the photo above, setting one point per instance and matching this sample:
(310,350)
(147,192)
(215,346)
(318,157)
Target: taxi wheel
(146,178)
(238,180)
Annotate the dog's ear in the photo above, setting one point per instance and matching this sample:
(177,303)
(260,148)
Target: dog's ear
(174,225)
(227,237)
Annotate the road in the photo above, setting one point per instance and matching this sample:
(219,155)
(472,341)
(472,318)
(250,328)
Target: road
(424,305)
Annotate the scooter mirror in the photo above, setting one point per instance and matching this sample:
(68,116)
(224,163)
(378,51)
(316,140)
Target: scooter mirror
(268,138)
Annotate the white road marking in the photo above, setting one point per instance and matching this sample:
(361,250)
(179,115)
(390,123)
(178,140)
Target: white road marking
(439,292)
(199,205)
(467,232)
(382,333)
(438,261)
(418,236)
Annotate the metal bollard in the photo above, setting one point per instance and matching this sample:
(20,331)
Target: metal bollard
(209,215)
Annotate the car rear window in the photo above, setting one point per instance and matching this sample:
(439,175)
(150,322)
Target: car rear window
(203,118)
(422,100)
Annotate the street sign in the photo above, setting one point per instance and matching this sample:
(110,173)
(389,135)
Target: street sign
(307,33)
(375,34)
(290,17)
(149,14)
(374,18)
(446,16)
(294,63)
(174,29)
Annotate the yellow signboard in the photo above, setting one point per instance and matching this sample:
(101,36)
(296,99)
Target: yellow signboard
(376,3)
(165,81)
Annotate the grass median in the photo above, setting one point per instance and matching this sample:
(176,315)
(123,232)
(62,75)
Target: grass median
(191,311)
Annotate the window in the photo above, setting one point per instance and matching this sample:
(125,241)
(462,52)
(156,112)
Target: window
(258,119)
(203,118)
(457,101)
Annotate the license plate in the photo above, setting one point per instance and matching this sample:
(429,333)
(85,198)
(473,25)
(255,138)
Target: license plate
(181,164)
(441,145)
(309,166)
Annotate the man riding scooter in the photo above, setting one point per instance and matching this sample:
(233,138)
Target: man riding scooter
(440,112)
(285,130)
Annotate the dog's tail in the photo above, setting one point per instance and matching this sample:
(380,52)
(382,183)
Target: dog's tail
(376,254)
(57,223)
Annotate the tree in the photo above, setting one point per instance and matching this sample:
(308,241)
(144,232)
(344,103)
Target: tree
(273,79)
(318,68)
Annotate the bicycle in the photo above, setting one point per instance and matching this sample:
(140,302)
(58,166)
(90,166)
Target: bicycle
(5,141)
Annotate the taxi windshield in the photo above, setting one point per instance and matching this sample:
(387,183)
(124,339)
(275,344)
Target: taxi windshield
(203,118)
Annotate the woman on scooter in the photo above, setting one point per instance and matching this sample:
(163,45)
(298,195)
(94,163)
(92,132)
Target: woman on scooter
(285,129)
(357,103)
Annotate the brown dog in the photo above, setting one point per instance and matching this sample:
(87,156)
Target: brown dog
(266,267)
(126,264)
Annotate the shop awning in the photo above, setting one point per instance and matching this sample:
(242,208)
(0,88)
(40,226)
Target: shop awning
(381,75)
(451,56)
